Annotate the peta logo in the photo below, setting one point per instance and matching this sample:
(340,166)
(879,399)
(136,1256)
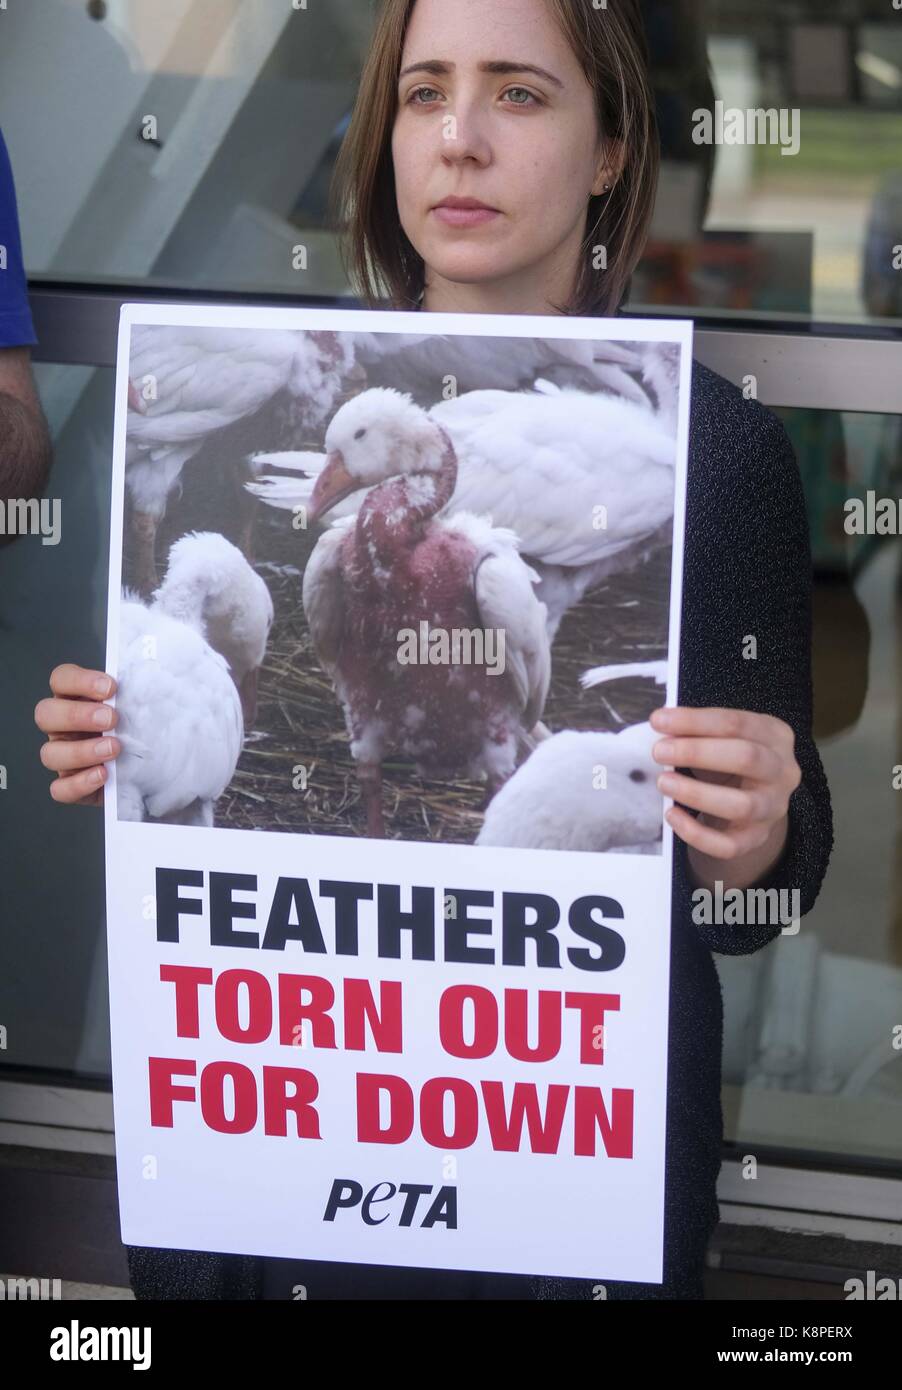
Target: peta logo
(442,1209)
(77,1343)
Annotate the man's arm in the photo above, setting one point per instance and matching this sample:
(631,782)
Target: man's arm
(24,437)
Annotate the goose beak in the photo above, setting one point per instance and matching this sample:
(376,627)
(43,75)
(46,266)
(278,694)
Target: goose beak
(247,690)
(332,485)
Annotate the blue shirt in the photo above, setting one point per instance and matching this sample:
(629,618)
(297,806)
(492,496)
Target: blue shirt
(16,327)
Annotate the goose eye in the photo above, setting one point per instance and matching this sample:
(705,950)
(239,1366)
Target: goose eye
(638,776)
(358,434)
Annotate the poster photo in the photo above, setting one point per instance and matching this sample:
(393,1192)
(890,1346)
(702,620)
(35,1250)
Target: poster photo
(392,597)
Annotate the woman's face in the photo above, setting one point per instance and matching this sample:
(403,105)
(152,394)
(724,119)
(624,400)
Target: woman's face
(525,143)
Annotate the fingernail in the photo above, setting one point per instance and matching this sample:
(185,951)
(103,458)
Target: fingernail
(103,685)
(104,747)
(666,782)
(664,747)
(96,775)
(103,717)
(662,718)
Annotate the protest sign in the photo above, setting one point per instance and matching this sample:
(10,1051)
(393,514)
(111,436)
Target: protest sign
(392,597)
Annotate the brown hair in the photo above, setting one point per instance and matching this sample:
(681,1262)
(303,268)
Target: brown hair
(610,45)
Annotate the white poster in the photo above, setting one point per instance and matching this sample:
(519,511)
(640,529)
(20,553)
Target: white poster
(392,597)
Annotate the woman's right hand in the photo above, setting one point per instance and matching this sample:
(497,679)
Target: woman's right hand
(77,724)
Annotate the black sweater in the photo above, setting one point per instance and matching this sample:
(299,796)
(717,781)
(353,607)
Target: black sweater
(747,570)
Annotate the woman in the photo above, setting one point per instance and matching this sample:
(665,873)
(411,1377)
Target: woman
(540,110)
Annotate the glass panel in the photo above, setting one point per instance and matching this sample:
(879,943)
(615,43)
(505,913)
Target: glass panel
(812,1045)
(53,986)
(201,134)
(796,213)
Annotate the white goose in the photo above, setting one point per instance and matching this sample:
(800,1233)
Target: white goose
(400,566)
(187,383)
(586,481)
(558,798)
(187,673)
(424,361)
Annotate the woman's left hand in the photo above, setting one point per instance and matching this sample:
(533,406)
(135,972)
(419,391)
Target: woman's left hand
(743,772)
